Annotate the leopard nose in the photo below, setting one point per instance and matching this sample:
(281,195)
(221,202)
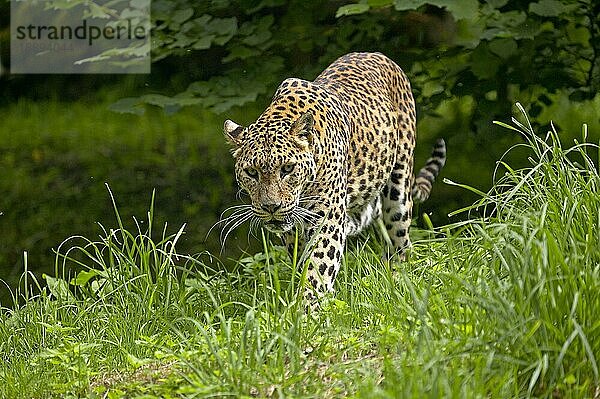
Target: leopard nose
(271,208)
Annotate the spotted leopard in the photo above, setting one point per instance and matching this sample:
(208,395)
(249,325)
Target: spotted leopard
(330,156)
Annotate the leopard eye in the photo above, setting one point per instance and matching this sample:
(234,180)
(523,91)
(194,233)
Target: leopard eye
(287,169)
(253,173)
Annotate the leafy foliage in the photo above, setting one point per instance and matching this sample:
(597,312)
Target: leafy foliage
(504,51)
(496,52)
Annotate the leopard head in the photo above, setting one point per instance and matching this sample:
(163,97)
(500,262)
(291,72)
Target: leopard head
(274,161)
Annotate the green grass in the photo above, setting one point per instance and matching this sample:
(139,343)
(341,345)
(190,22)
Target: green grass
(500,306)
(56,157)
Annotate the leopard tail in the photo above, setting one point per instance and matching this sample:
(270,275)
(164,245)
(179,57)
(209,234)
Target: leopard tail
(424,180)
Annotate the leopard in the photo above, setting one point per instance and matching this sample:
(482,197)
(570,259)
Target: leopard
(328,157)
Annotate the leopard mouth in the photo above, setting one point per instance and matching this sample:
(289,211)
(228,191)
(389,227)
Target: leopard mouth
(278,226)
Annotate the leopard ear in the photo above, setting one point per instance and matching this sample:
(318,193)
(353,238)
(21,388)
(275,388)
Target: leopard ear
(302,129)
(233,133)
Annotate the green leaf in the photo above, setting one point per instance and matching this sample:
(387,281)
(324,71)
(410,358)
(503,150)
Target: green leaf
(504,48)
(58,288)
(181,41)
(223,28)
(84,276)
(352,9)
(201,21)
(128,105)
(463,9)
(238,52)
(135,361)
(404,5)
(140,3)
(181,16)
(529,29)
(484,64)
(497,3)
(380,3)
(468,34)
(62,4)
(204,42)
(550,8)
(431,88)
(258,38)
(96,11)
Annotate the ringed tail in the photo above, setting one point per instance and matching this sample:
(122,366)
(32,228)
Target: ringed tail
(424,180)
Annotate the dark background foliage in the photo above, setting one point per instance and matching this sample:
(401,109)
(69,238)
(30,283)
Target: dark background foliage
(469,61)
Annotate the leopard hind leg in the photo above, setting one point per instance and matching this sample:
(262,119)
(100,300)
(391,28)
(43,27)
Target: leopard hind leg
(397,204)
(357,222)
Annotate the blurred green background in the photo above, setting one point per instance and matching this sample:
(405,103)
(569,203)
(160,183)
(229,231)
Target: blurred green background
(62,137)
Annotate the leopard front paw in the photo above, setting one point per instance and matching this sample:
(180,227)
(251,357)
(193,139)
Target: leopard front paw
(394,257)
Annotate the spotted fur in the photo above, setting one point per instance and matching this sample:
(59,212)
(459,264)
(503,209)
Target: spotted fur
(332,155)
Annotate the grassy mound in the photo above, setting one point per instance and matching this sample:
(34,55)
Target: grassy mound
(503,305)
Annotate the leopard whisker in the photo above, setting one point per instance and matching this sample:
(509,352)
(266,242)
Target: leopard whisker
(298,221)
(233,208)
(254,227)
(240,193)
(233,217)
(238,210)
(306,221)
(304,217)
(307,215)
(232,226)
(239,213)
